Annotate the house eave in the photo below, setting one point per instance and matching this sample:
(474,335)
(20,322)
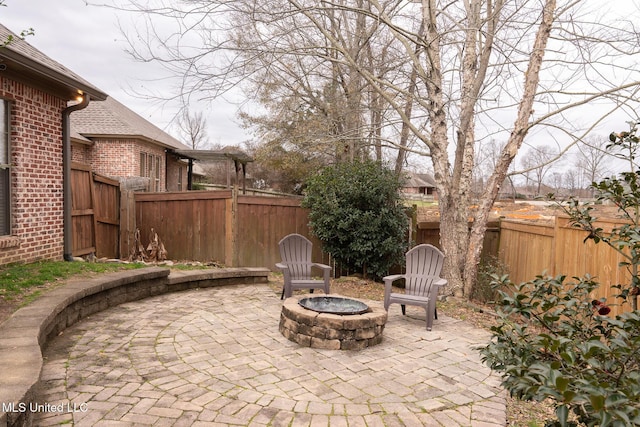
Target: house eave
(19,67)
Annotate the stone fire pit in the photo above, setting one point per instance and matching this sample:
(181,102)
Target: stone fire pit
(316,329)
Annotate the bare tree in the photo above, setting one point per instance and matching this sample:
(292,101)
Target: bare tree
(482,67)
(571,179)
(486,157)
(317,94)
(537,163)
(593,158)
(193,128)
(557,182)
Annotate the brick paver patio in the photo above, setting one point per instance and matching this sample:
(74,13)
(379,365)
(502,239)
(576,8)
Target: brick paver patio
(215,357)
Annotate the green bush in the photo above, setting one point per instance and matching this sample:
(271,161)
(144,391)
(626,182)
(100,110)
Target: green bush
(357,213)
(553,341)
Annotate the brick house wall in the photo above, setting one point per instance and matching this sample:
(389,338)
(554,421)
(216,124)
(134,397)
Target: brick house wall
(116,157)
(126,146)
(36,174)
(177,172)
(81,153)
(120,158)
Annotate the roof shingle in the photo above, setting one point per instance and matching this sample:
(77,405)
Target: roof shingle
(111,118)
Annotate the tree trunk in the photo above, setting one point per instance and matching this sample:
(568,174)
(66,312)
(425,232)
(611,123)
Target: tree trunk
(453,231)
(520,129)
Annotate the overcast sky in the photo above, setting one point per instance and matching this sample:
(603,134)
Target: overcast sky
(87,40)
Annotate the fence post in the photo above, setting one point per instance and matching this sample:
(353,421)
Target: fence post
(555,251)
(231,230)
(127,220)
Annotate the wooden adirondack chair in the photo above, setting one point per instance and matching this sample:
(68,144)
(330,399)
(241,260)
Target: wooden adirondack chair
(422,280)
(296,264)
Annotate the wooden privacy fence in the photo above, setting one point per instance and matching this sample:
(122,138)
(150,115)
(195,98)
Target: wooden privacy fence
(216,226)
(95,213)
(529,250)
(429,232)
(220,226)
(244,231)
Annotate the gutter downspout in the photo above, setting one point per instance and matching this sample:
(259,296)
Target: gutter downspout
(66,175)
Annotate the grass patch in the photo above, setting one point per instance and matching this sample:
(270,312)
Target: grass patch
(17,280)
(196,266)
(420,203)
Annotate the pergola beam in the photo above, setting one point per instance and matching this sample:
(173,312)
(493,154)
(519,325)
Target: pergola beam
(240,160)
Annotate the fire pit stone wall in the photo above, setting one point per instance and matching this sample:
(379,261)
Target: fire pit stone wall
(332,331)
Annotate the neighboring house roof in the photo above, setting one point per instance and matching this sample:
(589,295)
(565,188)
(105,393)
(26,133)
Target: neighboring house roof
(415,180)
(23,62)
(109,119)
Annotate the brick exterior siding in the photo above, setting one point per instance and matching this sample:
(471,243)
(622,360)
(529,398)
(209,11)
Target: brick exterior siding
(120,158)
(116,158)
(81,153)
(36,175)
(177,172)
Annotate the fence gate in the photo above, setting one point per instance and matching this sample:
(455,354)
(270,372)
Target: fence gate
(95,213)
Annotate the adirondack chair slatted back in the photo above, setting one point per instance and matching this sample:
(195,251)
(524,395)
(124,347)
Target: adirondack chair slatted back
(295,251)
(423,266)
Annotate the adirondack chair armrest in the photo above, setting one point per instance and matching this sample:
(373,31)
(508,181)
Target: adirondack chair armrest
(322,266)
(440,282)
(285,270)
(326,271)
(392,278)
(435,288)
(388,282)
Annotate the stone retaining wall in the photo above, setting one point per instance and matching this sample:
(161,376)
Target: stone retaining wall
(28,330)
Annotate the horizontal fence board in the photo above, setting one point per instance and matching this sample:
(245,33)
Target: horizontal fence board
(104,180)
(530,228)
(182,195)
(270,201)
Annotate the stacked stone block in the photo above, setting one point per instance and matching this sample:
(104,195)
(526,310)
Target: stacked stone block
(332,331)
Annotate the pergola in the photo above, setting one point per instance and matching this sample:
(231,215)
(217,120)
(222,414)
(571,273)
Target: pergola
(240,160)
